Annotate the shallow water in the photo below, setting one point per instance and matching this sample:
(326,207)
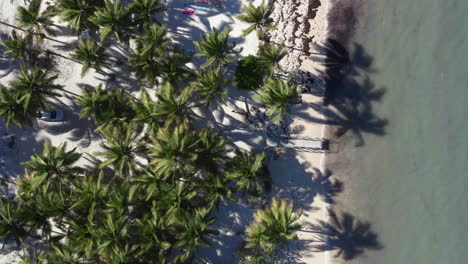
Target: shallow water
(411,184)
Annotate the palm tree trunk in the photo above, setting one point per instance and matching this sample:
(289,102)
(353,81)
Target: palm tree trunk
(246,106)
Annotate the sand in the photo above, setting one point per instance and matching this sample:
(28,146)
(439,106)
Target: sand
(300,24)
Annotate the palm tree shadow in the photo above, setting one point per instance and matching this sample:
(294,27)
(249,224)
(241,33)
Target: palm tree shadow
(346,235)
(327,188)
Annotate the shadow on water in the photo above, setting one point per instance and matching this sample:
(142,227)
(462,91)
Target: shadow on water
(346,235)
(350,92)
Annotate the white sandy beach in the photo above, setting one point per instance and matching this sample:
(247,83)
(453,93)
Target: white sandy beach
(292,175)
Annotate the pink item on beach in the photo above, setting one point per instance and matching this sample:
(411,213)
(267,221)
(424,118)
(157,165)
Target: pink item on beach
(205,2)
(188,12)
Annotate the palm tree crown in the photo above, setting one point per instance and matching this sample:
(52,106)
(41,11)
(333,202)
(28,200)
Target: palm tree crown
(91,54)
(211,85)
(78,12)
(16,47)
(35,22)
(247,170)
(36,87)
(270,55)
(277,95)
(258,18)
(215,47)
(113,19)
(145,11)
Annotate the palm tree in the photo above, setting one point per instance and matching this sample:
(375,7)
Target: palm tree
(121,150)
(35,22)
(91,54)
(270,55)
(211,151)
(13,110)
(113,238)
(214,188)
(279,220)
(94,103)
(153,41)
(17,47)
(113,18)
(193,231)
(246,171)
(147,55)
(277,95)
(54,164)
(145,11)
(146,111)
(271,226)
(258,18)
(36,87)
(173,152)
(88,193)
(13,221)
(108,108)
(211,85)
(78,12)
(215,47)
(175,109)
(173,66)
(152,232)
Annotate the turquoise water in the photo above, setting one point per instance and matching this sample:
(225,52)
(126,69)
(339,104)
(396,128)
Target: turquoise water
(412,183)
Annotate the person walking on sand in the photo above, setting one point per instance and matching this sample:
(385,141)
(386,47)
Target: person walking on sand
(84,33)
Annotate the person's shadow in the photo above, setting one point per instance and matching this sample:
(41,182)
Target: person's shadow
(346,235)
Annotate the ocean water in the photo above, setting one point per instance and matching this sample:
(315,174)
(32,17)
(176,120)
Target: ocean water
(411,183)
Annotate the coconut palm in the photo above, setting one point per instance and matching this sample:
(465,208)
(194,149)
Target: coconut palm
(91,54)
(114,18)
(215,47)
(13,221)
(278,95)
(89,192)
(36,87)
(107,108)
(113,238)
(152,232)
(173,153)
(146,111)
(54,164)
(258,18)
(214,188)
(13,110)
(153,41)
(211,151)
(35,22)
(270,55)
(94,103)
(173,67)
(211,85)
(78,12)
(247,170)
(147,55)
(175,109)
(144,67)
(145,10)
(193,231)
(121,150)
(279,220)
(17,47)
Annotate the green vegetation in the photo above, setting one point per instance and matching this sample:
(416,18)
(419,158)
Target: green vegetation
(152,197)
(249,73)
(258,18)
(271,227)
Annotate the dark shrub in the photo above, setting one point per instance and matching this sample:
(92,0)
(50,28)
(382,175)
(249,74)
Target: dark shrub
(249,73)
